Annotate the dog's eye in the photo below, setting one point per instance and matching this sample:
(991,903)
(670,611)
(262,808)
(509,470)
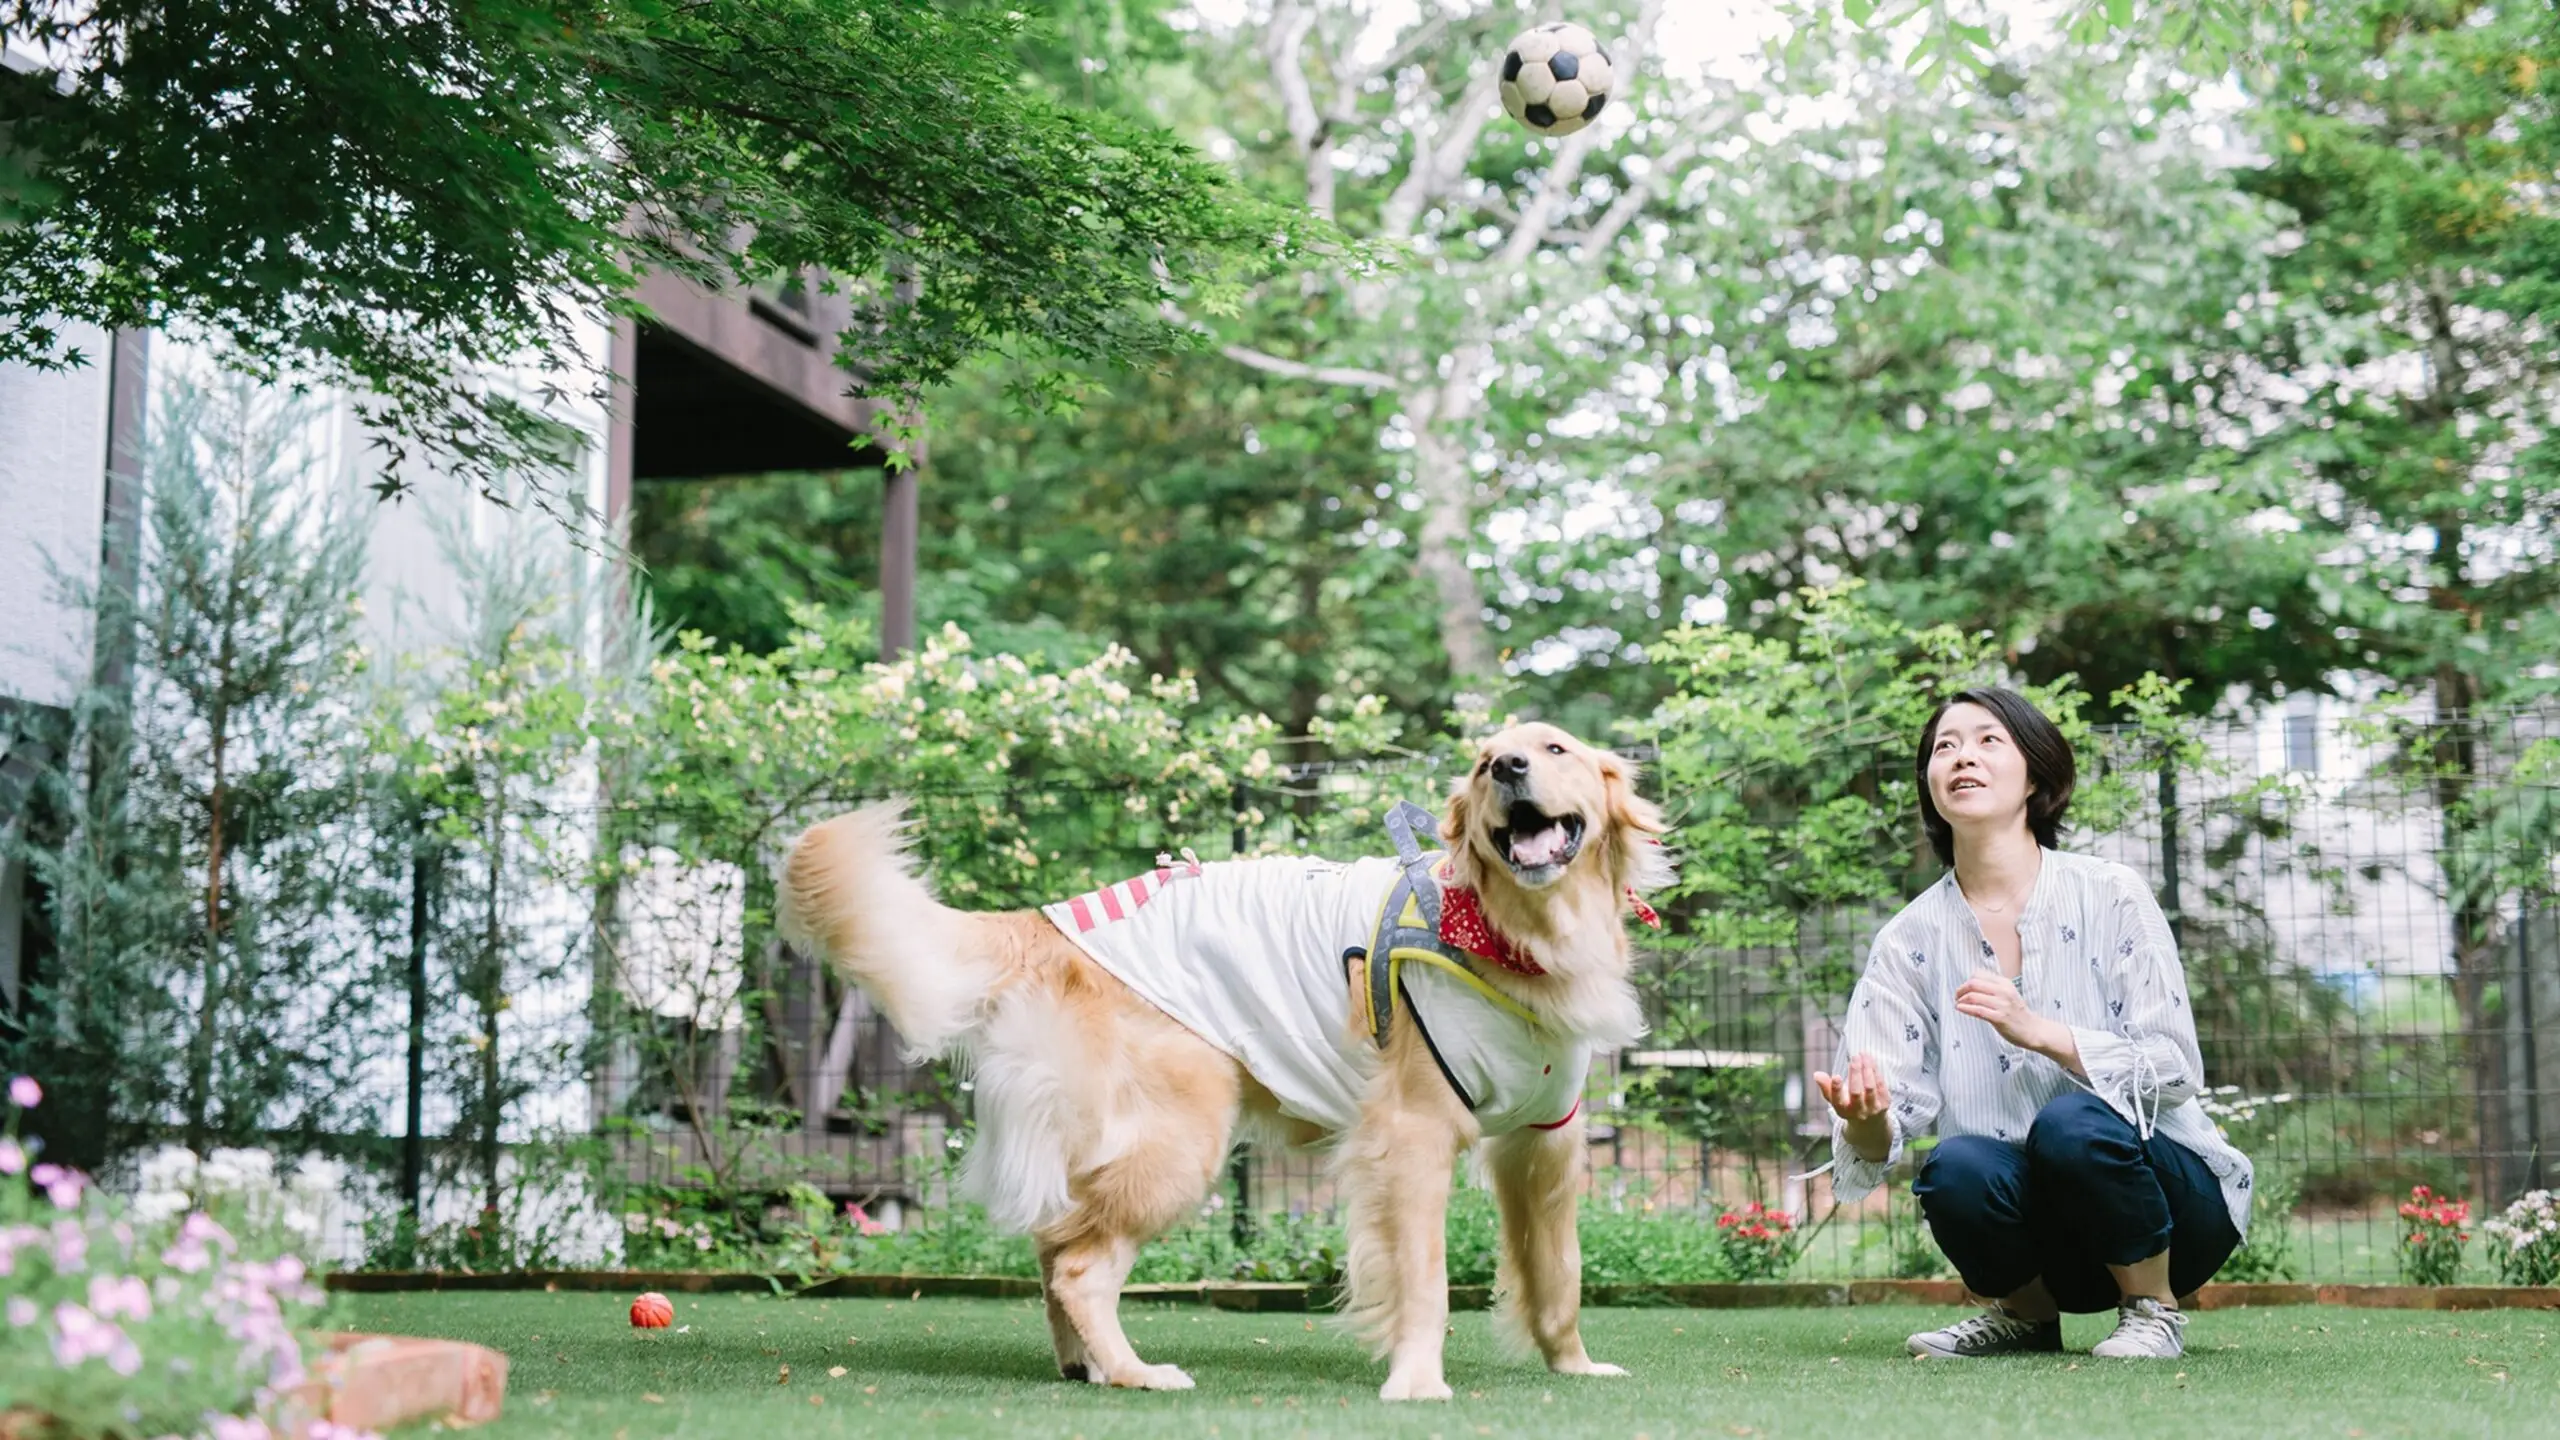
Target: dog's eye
(1554,749)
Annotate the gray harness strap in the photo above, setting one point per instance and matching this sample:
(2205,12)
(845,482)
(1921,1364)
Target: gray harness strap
(1416,891)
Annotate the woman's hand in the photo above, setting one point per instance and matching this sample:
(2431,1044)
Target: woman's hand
(1994,1000)
(1860,1099)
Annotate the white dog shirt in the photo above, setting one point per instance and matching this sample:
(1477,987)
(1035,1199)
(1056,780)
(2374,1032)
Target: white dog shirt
(1250,956)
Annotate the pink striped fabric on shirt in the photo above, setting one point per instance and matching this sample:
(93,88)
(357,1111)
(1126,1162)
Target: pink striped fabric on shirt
(1126,898)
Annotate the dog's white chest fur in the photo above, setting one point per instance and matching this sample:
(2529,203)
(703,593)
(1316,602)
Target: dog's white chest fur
(1248,955)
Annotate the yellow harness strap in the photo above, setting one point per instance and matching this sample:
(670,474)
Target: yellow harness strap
(1408,931)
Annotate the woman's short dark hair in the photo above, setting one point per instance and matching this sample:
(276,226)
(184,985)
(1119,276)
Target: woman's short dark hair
(2051,769)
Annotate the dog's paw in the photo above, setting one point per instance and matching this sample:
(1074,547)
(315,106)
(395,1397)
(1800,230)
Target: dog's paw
(1075,1370)
(1584,1365)
(1414,1387)
(1154,1377)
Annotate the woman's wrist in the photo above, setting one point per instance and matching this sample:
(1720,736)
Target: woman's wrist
(2054,1041)
(1871,1139)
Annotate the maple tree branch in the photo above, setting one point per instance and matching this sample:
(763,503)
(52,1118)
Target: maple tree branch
(1270,364)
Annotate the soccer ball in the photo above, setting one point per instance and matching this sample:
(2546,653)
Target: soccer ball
(1555,80)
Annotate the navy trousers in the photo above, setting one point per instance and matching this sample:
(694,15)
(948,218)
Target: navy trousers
(2086,1191)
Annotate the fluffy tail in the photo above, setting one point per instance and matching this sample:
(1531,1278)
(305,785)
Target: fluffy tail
(850,893)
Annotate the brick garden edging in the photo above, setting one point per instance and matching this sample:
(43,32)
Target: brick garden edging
(1287,1297)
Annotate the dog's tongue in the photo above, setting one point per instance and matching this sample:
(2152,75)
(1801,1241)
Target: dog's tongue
(1543,846)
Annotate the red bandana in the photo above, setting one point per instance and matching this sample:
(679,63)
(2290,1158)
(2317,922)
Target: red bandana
(1462,923)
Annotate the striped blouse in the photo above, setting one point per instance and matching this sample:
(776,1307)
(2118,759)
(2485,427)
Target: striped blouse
(2096,954)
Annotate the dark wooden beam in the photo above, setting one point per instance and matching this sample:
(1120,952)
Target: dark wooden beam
(897,562)
(794,362)
(620,436)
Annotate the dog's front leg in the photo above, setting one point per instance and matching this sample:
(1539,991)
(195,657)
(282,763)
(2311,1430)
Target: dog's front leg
(1537,1183)
(1397,1165)
(1400,1254)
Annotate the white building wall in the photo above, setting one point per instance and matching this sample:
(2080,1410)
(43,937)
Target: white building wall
(53,456)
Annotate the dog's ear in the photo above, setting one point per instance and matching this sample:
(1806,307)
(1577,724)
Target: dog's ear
(1637,856)
(1456,822)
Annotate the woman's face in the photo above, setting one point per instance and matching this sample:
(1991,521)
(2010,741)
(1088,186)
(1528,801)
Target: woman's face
(1976,775)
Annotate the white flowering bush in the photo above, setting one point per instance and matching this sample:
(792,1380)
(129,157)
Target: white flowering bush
(2231,1110)
(146,1320)
(242,1187)
(2525,1239)
(1024,776)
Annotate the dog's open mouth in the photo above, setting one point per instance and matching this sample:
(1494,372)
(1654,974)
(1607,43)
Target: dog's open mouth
(1533,840)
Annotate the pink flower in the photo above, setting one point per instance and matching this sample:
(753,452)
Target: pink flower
(13,1156)
(22,1312)
(200,1226)
(24,1092)
(79,1337)
(125,1296)
(189,1253)
(70,1247)
(60,1185)
(238,1427)
(12,1239)
(863,1224)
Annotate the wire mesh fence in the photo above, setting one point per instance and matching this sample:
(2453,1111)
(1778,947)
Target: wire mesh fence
(2365,910)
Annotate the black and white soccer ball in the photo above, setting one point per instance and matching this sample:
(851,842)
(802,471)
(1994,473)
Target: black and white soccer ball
(1555,80)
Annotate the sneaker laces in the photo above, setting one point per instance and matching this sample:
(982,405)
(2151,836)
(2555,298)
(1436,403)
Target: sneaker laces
(1989,1325)
(2150,1320)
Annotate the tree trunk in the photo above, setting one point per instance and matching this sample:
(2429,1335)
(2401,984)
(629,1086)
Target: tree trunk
(491,982)
(2479,953)
(2533,1049)
(1447,532)
(209,1013)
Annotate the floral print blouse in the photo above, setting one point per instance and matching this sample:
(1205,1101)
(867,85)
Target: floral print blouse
(2096,954)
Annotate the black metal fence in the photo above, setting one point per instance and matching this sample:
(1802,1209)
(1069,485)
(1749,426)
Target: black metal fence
(2367,915)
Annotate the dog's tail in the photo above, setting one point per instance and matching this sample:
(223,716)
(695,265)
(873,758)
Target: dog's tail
(851,895)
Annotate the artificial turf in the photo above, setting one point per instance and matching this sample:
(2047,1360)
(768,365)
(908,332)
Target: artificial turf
(982,1367)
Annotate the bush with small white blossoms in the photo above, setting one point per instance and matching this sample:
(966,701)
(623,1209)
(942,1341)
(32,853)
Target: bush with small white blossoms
(1031,782)
(2525,1239)
(243,1189)
(143,1319)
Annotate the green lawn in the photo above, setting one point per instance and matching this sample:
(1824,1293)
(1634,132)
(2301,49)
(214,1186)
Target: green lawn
(982,1367)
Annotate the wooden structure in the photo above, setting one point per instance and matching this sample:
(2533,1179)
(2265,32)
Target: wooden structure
(748,383)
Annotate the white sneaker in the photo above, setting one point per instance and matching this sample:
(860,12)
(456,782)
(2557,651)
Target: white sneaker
(1993,1332)
(2145,1330)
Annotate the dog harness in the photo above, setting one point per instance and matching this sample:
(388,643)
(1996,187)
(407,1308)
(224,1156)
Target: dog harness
(1252,956)
(1482,1039)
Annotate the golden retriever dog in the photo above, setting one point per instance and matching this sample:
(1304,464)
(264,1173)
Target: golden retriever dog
(1103,1119)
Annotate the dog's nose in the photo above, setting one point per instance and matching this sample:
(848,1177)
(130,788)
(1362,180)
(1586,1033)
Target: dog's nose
(1512,768)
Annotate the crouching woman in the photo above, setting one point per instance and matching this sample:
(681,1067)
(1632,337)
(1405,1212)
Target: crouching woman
(2029,1009)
